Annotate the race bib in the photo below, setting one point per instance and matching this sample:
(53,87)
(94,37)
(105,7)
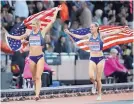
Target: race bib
(35,40)
(95,46)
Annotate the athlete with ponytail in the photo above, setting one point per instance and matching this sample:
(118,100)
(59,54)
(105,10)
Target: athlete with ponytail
(96,61)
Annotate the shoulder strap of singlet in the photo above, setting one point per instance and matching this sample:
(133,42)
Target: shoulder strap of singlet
(40,33)
(99,35)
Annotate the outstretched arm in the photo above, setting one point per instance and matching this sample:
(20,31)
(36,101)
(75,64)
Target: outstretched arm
(16,37)
(77,36)
(52,21)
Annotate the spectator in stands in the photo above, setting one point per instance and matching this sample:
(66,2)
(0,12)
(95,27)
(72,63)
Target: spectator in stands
(49,49)
(61,45)
(112,20)
(98,5)
(64,14)
(114,68)
(31,7)
(105,21)
(128,61)
(109,10)
(76,10)
(67,42)
(127,56)
(130,14)
(122,15)
(85,16)
(126,50)
(39,6)
(48,41)
(48,4)
(31,11)
(90,6)
(55,30)
(19,19)
(98,16)
(119,49)
(75,25)
(0,6)
(19,6)
(109,14)
(6,17)
(69,5)
(123,21)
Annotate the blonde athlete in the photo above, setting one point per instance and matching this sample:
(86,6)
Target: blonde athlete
(36,54)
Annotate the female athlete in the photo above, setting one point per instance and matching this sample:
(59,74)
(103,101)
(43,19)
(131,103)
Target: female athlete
(35,52)
(96,63)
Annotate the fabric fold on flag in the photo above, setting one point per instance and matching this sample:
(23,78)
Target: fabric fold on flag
(44,17)
(110,41)
(17,30)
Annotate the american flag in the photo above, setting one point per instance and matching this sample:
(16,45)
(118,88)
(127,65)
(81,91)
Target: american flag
(113,40)
(44,16)
(19,29)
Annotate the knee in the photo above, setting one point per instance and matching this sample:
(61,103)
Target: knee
(91,78)
(34,78)
(98,79)
(38,78)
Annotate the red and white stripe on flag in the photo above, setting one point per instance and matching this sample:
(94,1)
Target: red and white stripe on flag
(44,16)
(113,40)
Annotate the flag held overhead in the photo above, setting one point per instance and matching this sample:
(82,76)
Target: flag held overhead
(45,18)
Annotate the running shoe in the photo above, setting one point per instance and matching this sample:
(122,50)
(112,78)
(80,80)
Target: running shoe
(94,89)
(37,98)
(99,97)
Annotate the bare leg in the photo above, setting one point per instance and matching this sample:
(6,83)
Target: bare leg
(33,71)
(100,68)
(40,68)
(92,70)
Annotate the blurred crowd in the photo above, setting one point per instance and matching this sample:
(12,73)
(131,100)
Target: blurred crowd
(77,14)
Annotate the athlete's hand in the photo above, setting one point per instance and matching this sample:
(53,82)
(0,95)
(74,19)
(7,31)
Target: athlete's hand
(3,29)
(125,27)
(5,32)
(59,7)
(67,31)
(52,20)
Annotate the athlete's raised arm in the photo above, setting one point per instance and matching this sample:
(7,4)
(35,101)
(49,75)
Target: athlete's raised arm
(45,30)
